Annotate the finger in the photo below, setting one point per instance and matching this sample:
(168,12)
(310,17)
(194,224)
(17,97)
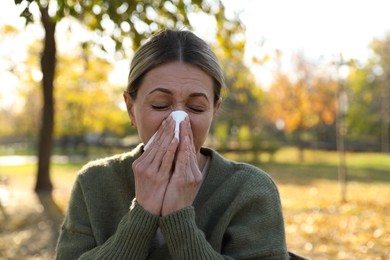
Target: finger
(190,176)
(196,172)
(151,157)
(159,142)
(169,157)
(187,131)
(182,154)
(141,162)
(193,174)
(190,133)
(160,133)
(164,141)
(184,131)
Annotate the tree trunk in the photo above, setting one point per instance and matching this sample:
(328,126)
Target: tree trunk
(301,145)
(48,62)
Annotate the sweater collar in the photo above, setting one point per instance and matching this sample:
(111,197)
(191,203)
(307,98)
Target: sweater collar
(217,174)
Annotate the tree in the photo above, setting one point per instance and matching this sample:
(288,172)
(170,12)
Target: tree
(17,112)
(241,118)
(87,101)
(303,103)
(369,113)
(115,20)
(364,94)
(242,94)
(381,70)
(48,64)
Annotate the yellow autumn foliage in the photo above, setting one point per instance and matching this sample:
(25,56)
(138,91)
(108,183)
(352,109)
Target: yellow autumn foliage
(85,101)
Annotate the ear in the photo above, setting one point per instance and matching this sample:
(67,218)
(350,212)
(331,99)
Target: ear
(130,107)
(217,106)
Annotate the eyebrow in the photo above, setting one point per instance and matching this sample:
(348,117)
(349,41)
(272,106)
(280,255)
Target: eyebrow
(164,90)
(167,91)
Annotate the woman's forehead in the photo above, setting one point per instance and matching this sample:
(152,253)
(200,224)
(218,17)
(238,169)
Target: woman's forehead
(173,77)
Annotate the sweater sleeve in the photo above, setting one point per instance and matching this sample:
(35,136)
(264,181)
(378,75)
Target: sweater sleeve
(256,227)
(130,241)
(250,233)
(184,239)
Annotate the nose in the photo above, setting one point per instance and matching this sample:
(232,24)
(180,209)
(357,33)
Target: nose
(178,107)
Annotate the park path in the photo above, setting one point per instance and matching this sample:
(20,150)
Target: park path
(14,160)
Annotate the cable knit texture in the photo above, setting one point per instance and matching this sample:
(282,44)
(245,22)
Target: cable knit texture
(236,215)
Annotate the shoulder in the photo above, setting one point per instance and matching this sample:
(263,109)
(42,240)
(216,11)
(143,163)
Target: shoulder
(253,180)
(239,189)
(232,168)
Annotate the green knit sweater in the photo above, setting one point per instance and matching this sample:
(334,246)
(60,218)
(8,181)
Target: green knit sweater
(236,215)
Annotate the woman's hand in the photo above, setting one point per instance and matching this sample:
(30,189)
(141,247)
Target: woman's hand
(152,170)
(186,177)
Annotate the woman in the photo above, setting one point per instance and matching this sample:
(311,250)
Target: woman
(176,199)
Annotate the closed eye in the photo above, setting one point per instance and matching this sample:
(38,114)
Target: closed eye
(160,107)
(196,109)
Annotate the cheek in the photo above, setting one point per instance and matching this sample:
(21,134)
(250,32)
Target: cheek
(200,129)
(150,123)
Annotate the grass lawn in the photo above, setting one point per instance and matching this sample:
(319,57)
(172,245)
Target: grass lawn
(318,224)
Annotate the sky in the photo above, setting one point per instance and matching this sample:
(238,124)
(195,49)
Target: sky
(321,29)
(317,27)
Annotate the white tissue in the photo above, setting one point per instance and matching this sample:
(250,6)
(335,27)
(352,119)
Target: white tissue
(178,116)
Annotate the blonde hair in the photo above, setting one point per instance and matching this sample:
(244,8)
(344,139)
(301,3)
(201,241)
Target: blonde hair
(170,45)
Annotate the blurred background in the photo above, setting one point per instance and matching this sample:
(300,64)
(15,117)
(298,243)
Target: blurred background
(307,99)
